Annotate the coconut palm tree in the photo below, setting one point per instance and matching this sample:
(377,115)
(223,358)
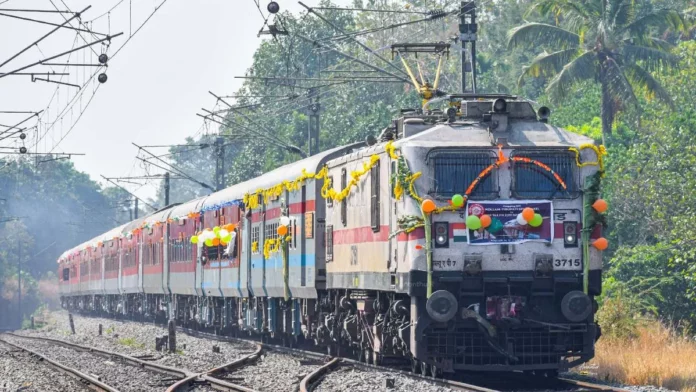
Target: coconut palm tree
(611,42)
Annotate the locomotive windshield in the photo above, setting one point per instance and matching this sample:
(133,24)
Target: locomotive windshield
(455,170)
(533,182)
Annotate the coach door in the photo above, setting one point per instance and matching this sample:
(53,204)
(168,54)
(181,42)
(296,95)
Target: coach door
(198,283)
(391,205)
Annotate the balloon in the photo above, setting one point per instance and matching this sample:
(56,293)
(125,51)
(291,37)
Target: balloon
(537,220)
(284,221)
(282,230)
(486,221)
(224,243)
(496,226)
(601,243)
(428,206)
(228,238)
(209,242)
(229,227)
(457,200)
(419,247)
(528,214)
(223,233)
(194,239)
(600,205)
(521,220)
(473,222)
(215,241)
(216,229)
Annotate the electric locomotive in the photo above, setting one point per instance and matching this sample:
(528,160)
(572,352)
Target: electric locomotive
(462,239)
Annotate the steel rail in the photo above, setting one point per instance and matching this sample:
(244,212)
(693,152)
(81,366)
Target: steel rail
(168,370)
(224,385)
(307,383)
(208,376)
(93,382)
(456,385)
(598,387)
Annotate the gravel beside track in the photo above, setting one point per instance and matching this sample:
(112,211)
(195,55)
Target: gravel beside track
(349,378)
(138,340)
(273,372)
(20,371)
(123,376)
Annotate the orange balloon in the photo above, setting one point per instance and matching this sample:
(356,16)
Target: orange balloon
(223,243)
(486,221)
(216,241)
(419,247)
(601,243)
(230,227)
(528,214)
(282,230)
(428,206)
(600,205)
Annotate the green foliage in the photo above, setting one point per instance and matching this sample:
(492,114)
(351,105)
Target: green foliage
(48,207)
(131,342)
(610,42)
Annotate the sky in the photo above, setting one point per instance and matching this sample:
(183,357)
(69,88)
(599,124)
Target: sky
(156,83)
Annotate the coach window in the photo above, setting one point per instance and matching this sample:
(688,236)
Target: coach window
(255,239)
(344,202)
(329,200)
(374,197)
(66,274)
(455,170)
(533,180)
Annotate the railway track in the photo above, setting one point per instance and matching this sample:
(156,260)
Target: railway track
(84,379)
(320,368)
(116,371)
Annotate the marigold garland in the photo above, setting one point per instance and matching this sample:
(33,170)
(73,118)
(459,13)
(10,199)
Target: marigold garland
(600,151)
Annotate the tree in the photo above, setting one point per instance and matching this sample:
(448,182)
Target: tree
(611,42)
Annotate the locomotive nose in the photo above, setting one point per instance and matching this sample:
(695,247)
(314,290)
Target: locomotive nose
(442,306)
(576,306)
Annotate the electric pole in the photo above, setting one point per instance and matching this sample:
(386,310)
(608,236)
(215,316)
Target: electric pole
(467,30)
(135,211)
(166,189)
(219,164)
(313,112)
(19,283)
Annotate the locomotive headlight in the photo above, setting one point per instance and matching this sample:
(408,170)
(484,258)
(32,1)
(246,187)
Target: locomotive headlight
(570,234)
(499,105)
(441,234)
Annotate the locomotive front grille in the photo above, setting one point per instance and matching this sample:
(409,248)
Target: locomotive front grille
(468,347)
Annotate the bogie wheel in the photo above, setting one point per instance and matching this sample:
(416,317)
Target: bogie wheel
(435,371)
(376,358)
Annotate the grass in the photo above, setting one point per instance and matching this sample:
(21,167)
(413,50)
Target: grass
(131,342)
(654,355)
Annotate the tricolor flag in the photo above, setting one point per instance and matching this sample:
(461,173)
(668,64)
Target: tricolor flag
(459,232)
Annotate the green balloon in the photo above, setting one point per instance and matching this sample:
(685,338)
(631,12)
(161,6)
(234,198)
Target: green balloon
(473,222)
(209,242)
(536,221)
(496,226)
(227,238)
(216,229)
(457,200)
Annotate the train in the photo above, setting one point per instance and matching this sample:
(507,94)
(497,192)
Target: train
(463,239)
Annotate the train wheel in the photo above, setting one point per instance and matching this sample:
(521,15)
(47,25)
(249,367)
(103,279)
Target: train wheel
(424,369)
(376,358)
(435,371)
